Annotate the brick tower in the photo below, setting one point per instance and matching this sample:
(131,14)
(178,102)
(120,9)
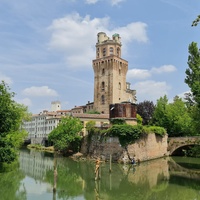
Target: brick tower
(110,71)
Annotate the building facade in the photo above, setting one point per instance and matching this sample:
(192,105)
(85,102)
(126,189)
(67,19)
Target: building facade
(110,71)
(42,124)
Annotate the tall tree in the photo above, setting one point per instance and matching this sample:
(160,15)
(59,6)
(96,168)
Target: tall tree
(193,72)
(159,116)
(193,81)
(66,134)
(145,109)
(11,116)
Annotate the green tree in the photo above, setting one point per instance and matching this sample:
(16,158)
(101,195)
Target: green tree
(174,117)
(67,134)
(11,116)
(193,81)
(193,72)
(179,120)
(159,117)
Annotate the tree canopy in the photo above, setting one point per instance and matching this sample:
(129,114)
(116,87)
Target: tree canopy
(66,134)
(193,81)
(11,116)
(174,117)
(145,109)
(193,72)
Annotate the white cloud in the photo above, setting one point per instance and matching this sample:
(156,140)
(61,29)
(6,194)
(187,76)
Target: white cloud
(135,31)
(5,78)
(144,73)
(25,101)
(75,36)
(91,1)
(150,90)
(113,2)
(39,91)
(164,69)
(138,74)
(116,2)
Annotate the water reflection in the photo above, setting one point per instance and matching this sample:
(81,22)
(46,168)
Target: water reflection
(158,179)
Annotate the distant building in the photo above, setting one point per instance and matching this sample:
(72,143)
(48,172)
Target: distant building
(43,123)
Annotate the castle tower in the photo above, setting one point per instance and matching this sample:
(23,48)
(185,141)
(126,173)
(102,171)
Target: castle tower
(55,106)
(110,71)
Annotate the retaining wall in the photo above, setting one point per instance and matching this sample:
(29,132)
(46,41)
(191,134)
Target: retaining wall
(148,147)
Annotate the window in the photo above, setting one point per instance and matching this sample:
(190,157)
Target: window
(103,86)
(104,51)
(102,99)
(119,71)
(111,50)
(119,86)
(118,51)
(103,71)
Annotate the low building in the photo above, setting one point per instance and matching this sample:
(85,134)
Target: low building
(42,124)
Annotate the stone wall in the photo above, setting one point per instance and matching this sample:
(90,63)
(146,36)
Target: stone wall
(148,147)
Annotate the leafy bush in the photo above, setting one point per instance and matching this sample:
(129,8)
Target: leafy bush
(118,121)
(194,151)
(126,133)
(155,129)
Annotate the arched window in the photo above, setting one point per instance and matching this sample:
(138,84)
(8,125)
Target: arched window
(111,51)
(102,99)
(119,71)
(102,85)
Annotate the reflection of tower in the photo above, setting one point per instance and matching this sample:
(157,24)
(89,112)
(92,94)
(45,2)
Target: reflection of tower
(110,74)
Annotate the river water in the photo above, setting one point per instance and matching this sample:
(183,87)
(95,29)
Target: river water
(172,178)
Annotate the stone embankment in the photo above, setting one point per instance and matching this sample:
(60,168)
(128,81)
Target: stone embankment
(148,147)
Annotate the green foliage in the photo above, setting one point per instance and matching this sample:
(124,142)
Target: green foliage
(11,116)
(117,121)
(194,151)
(66,134)
(126,133)
(196,21)
(193,81)
(193,72)
(155,129)
(174,117)
(90,127)
(139,119)
(93,112)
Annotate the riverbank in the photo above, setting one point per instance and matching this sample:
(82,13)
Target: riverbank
(41,148)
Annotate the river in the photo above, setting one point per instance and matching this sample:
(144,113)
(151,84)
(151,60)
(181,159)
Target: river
(171,178)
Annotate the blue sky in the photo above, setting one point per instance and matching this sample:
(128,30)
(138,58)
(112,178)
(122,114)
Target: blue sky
(47,47)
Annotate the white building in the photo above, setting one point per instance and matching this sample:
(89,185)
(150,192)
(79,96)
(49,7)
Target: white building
(43,123)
